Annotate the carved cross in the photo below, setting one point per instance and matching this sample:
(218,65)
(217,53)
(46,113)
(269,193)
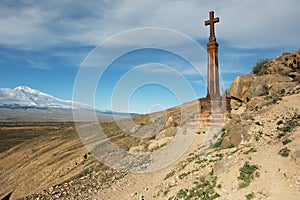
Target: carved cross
(211,22)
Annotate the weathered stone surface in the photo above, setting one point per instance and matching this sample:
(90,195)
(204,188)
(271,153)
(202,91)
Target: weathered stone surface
(240,86)
(281,75)
(155,144)
(248,86)
(279,87)
(137,149)
(284,65)
(295,76)
(296,156)
(170,132)
(169,122)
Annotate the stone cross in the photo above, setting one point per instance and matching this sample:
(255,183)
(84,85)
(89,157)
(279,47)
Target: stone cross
(211,22)
(213,90)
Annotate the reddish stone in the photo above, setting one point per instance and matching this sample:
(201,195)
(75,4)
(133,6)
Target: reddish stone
(213,88)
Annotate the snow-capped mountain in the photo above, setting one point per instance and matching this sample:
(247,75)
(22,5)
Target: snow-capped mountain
(22,97)
(25,104)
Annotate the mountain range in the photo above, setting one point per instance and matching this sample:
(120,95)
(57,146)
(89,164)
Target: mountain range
(26,104)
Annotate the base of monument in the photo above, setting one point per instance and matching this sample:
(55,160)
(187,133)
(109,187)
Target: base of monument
(213,112)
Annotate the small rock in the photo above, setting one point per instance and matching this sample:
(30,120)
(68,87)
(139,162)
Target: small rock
(297,180)
(224,191)
(173,181)
(133,194)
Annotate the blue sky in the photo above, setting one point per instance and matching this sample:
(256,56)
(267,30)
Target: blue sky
(43,45)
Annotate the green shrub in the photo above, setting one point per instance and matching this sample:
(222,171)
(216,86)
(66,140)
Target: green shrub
(286,141)
(203,190)
(260,65)
(246,174)
(288,126)
(181,176)
(251,150)
(250,196)
(285,152)
(219,141)
(170,174)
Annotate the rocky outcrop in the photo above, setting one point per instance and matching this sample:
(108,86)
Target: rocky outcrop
(280,76)
(284,65)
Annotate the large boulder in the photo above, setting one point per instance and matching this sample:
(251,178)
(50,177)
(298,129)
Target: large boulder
(295,76)
(240,86)
(169,132)
(246,87)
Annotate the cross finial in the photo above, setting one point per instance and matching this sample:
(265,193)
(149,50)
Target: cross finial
(211,22)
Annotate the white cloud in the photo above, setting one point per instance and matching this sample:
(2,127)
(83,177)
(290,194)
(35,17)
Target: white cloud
(38,65)
(246,24)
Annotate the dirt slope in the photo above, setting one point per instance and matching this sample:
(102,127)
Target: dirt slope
(278,177)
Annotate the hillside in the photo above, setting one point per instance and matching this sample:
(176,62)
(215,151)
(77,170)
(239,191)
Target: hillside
(255,155)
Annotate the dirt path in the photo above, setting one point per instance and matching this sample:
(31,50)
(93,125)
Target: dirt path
(145,185)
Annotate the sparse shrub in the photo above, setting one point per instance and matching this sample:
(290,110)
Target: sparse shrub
(249,117)
(257,138)
(250,196)
(181,176)
(279,122)
(260,65)
(166,191)
(219,141)
(231,146)
(251,150)
(203,189)
(246,174)
(272,99)
(169,175)
(288,125)
(285,152)
(238,121)
(286,141)
(281,134)
(220,155)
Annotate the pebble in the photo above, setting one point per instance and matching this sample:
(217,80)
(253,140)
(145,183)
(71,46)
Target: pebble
(173,181)
(297,180)
(133,194)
